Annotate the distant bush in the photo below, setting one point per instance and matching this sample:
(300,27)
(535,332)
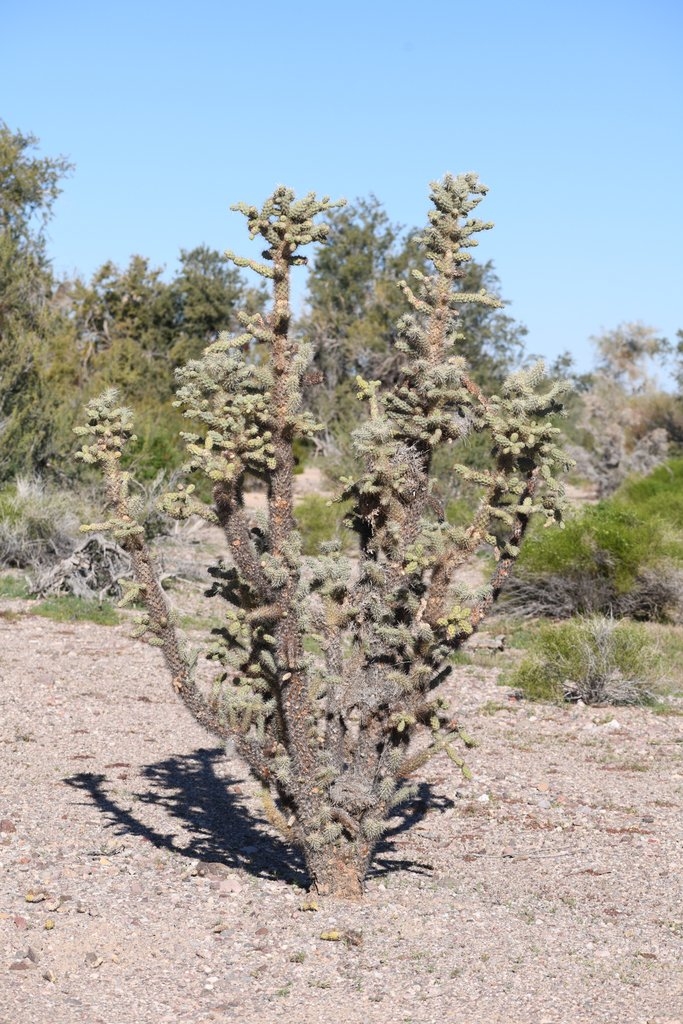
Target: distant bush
(157,452)
(658,496)
(37,525)
(319,521)
(608,560)
(595,660)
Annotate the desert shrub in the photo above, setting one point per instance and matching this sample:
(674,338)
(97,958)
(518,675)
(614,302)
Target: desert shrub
(320,521)
(608,560)
(38,525)
(657,497)
(157,453)
(594,659)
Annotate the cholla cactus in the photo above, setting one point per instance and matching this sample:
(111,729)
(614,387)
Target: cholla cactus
(335,739)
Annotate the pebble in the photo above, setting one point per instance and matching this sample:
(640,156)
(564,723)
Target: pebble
(7,826)
(228,886)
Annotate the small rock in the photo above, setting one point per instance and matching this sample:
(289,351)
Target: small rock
(261,931)
(212,869)
(21,965)
(49,976)
(229,885)
(32,955)
(7,826)
(93,960)
(20,922)
(36,896)
(543,787)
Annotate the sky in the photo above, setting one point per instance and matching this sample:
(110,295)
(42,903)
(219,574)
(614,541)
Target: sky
(571,114)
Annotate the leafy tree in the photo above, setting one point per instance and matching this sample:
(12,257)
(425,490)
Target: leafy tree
(620,432)
(355,300)
(335,738)
(29,186)
(353,295)
(133,328)
(125,325)
(206,294)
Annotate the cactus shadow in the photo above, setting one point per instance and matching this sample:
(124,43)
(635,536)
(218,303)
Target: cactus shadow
(214,823)
(386,861)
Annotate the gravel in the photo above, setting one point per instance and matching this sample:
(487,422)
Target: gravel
(141,884)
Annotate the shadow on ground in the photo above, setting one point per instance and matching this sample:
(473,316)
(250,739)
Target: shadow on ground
(215,825)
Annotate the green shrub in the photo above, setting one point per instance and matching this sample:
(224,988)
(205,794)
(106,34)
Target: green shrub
(157,449)
(319,522)
(76,609)
(658,496)
(13,587)
(608,560)
(596,660)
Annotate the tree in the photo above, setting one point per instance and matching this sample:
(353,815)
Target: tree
(207,293)
(336,738)
(133,329)
(354,300)
(125,326)
(29,186)
(620,422)
(353,293)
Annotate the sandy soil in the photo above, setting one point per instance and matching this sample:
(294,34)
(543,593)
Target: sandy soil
(140,884)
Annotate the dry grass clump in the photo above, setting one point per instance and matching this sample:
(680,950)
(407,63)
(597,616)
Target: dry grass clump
(594,659)
(37,525)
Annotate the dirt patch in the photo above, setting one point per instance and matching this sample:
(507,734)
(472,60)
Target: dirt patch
(141,884)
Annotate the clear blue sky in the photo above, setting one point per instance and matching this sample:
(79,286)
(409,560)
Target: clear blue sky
(569,111)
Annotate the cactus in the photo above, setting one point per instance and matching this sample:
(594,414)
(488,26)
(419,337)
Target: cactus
(335,738)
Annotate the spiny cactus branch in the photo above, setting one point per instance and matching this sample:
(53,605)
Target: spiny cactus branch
(335,736)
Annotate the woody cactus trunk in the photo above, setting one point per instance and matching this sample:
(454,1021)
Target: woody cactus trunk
(335,738)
